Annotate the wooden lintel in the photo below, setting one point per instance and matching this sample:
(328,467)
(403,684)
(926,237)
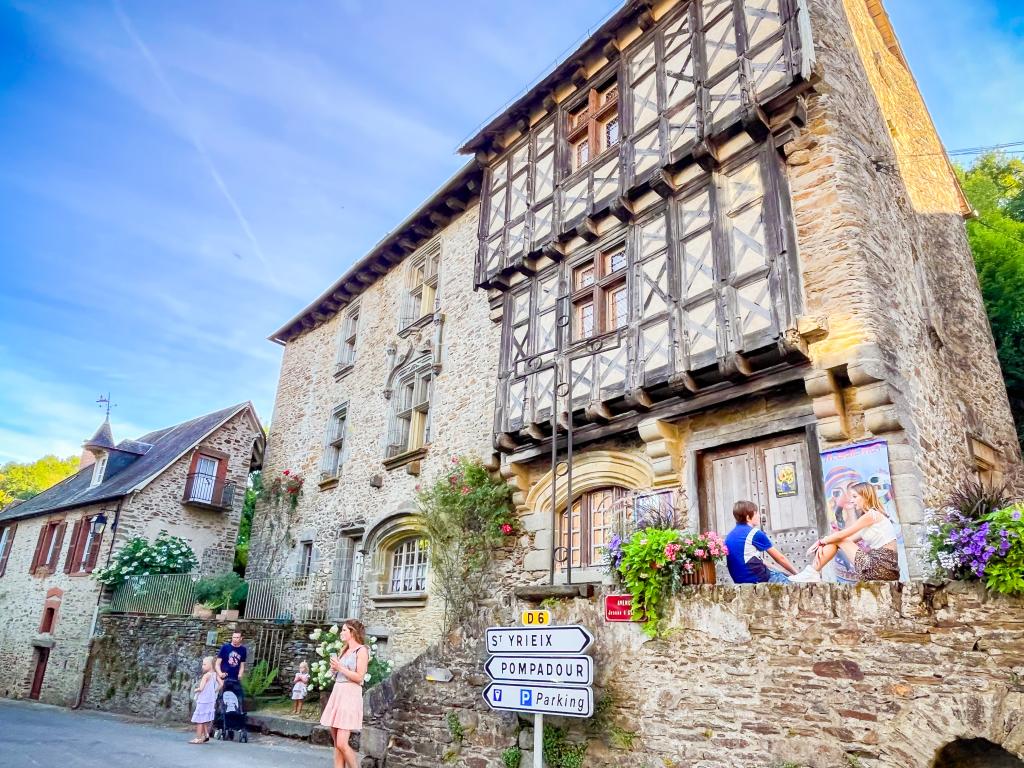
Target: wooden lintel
(587,229)
(455,203)
(661,184)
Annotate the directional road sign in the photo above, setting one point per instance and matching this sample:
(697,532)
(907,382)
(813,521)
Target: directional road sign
(540,699)
(571,638)
(554,670)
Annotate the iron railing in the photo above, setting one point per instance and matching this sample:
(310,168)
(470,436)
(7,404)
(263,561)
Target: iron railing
(300,599)
(169,594)
(209,491)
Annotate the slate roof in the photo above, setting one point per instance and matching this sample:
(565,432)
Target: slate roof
(103,438)
(126,469)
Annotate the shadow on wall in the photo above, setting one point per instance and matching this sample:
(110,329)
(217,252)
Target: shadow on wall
(975,753)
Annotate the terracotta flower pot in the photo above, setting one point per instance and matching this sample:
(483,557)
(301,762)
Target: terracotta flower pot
(704,573)
(226,615)
(200,611)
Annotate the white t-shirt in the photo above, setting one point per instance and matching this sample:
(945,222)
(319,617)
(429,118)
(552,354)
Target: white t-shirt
(880,532)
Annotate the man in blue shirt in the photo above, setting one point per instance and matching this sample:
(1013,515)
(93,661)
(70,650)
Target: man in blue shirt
(230,662)
(747,544)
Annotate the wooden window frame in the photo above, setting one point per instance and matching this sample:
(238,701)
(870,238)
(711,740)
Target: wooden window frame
(83,552)
(48,547)
(416,413)
(597,113)
(585,531)
(7,533)
(598,293)
(304,568)
(416,561)
(420,297)
(99,470)
(334,444)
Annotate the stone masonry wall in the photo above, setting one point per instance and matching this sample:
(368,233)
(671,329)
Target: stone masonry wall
(818,676)
(148,665)
(461,414)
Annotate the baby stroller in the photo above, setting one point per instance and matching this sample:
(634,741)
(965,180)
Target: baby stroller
(230,713)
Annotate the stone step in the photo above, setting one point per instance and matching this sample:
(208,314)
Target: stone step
(291,727)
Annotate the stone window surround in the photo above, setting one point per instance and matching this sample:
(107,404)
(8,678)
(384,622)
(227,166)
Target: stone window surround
(379,543)
(410,320)
(54,597)
(349,331)
(335,442)
(416,369)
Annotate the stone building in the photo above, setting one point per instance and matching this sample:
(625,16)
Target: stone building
(188,480)
(384,378)
(721,241)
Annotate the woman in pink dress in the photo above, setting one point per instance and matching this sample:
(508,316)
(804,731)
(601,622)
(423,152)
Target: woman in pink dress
(344,711)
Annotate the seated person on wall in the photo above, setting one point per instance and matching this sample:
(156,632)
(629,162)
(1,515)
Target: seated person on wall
(747,545)
(876,560)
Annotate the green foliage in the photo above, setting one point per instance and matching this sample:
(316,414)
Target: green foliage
(994,184)
(225,591)
(644,574)
(512,756)
(140,557)
(466,513)
(257,679)
(252,495)
(1006,574)
(561,753)
(458,733)
(25,480)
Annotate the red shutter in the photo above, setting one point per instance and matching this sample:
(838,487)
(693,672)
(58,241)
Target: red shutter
(39,548)
(7,549)
(58,541)
(74,550)
(94,555)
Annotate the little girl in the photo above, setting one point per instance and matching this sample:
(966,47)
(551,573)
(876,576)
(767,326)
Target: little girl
(299,688)
(207,690)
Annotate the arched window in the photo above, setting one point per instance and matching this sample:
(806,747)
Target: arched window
(409,559)
(595,516)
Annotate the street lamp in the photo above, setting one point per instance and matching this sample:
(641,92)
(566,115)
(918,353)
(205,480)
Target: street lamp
(98,524)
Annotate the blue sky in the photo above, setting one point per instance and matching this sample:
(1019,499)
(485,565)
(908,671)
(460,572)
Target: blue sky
(178,179)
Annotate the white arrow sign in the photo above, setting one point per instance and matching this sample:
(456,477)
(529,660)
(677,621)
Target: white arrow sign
(540,699)
(565,639)
(554,670)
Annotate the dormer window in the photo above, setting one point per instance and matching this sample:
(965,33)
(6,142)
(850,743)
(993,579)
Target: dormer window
(594,125)
(98,470)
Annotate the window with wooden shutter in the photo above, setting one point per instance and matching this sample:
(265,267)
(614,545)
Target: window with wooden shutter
(71,562)
(6,543)
(53,552)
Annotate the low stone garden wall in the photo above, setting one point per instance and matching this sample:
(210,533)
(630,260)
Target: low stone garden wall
(814,675)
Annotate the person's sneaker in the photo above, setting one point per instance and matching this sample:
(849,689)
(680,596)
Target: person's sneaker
(808,574)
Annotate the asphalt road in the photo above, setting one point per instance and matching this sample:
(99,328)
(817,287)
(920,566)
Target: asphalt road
(34,735)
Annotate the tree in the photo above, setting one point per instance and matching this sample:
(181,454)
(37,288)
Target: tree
(252,494)
(994,185)
(25,480)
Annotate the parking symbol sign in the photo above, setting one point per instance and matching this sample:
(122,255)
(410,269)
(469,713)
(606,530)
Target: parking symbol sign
(525,697)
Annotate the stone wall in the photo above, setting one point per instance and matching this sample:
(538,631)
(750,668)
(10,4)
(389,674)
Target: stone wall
(822,676)
(148,665)
(367,493)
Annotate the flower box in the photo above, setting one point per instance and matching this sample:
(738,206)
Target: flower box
(704,573)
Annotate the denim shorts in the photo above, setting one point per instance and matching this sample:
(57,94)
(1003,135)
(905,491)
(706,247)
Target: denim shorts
(777,577)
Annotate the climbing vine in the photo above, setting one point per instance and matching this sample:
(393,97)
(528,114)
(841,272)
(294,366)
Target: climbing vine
(467,514)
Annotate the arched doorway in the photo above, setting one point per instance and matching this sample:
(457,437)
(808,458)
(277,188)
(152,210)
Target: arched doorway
(975,753)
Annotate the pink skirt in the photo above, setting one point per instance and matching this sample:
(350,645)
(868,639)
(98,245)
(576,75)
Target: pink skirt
(344,709)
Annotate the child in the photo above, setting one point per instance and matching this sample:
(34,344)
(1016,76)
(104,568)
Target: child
(207,690)
(299,688)
(746,543)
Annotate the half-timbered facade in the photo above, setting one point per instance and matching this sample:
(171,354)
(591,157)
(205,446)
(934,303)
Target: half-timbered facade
(681,232)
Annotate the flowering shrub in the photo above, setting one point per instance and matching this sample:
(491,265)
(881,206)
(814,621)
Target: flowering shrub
(287,485)
(140,557)
(321,677)
(467,514)
(989,548)
(654,562)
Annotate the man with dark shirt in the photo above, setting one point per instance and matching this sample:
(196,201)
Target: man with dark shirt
(230,663)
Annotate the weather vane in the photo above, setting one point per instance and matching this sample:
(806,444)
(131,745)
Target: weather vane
(105,401)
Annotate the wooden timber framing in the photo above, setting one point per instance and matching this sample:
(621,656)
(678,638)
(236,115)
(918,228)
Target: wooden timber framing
(454,197)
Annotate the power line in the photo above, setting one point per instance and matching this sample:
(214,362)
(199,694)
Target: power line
(996,229)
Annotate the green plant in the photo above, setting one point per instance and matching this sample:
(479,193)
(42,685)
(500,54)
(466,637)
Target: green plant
(561,753)
(458,733)
(975,499)
(287,485)
(989,548)
(644,574)
(1005,572)
(226,591)
(141,557)
(258,679)
(320,675)
(512,756)
(467,513)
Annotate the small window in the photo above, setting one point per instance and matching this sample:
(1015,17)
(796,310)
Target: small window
(48,618)
(305,566)
(421,287)
(334,447)
(6,543)
(349,337)
(48,548)
(410,416)
(594,125)
(98,470)
(409,560)
(202,485)
(594,518)
(600,296)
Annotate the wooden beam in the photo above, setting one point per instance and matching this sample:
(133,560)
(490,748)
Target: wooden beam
(579,75)
(408,244)
(423,230)
(377,268)
(661,184)
(587,229)
(455,203)
(548,102)
(439,218)
(341,296)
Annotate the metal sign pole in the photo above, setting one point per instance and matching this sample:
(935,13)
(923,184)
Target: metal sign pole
(538,741)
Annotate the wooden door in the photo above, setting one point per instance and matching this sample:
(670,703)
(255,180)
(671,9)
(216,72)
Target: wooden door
(42,656)
(777,475)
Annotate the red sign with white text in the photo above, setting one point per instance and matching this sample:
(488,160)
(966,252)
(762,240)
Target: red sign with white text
(618,608)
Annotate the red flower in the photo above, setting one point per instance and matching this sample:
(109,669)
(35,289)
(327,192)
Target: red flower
(286,472)
(506,528)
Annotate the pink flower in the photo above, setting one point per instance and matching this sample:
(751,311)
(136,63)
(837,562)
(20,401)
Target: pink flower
(455,459)
(688,566)
(417,487)
(506,528)
(700,554)
(465,490)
